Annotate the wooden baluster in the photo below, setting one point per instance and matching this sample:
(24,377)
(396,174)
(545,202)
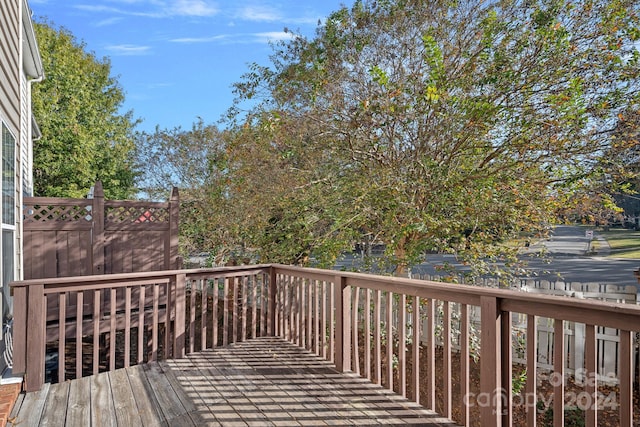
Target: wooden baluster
(626,378)
(167,317)
(464,363)
(154,324)
(96,330)
(558,372)
(332,321)
(446,357)
(254,306)
(389,320)
(377,351)
(431,355)
(62,336)
(204,306)
(79,318)
(402,345)
(243,331)
(225,312)
(591,376)
(367,333)
(316,317)
(415,353)
(214,311)
(506,398)
(192,315)
(310,315)
(127,326)
(355,353)
(141,327)
(112,329)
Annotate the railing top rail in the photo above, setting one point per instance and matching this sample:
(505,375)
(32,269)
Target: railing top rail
(148,275)
(602,313)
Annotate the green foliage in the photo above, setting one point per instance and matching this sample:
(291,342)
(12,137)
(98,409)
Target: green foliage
(84,137)
(194,160)
(438,126)
(519,381)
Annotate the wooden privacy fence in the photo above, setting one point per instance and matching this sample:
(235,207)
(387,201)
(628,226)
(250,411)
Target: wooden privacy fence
(347,318)
(76,237)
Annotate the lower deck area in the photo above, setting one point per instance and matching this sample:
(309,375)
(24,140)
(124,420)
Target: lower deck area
(259,382)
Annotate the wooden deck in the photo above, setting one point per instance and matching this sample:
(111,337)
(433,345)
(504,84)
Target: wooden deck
(260,382)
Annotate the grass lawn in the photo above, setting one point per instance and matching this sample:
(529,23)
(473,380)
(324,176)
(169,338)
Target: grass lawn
(624,243)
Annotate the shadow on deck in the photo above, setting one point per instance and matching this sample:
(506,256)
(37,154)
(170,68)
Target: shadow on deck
(260,382)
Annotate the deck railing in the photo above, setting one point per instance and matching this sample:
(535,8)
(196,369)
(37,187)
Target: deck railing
(371,325)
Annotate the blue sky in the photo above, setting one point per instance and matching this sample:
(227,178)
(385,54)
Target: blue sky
(177,59)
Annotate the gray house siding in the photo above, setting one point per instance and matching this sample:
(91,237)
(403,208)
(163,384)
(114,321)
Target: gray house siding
(10,64)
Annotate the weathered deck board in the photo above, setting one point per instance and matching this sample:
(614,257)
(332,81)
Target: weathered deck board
(148,409)
(102,398)
(56,403)
(31,407)
(173,409)
(261,382)
(124,401)
(79,407)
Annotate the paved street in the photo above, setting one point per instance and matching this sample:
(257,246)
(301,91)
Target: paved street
(566,259)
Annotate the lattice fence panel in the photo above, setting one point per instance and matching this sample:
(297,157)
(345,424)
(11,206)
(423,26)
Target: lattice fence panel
(136,215)
(57,213)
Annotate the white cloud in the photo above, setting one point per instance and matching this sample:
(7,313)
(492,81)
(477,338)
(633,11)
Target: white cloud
(156,9)
(128,49)
(273,36)
(193,8)
(259,14)
(115,10)
(240,38)
(108,21)
(200,39)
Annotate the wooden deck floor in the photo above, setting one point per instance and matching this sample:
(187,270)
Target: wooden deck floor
(262,382)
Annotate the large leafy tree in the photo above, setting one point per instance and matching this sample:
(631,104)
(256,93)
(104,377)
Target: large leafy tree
(288,196)
(194,161)
(84,136)
(448,125)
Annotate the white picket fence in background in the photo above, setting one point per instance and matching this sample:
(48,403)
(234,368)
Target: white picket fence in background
(607,338)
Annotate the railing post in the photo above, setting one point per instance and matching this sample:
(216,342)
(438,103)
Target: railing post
(271,308)
(20,300)
(36,317)
(343,324)
(179,326)
(490,363)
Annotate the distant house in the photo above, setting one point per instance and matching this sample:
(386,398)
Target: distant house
(20,66)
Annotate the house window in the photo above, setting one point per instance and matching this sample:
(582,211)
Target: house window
(8,172)
(8,177)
